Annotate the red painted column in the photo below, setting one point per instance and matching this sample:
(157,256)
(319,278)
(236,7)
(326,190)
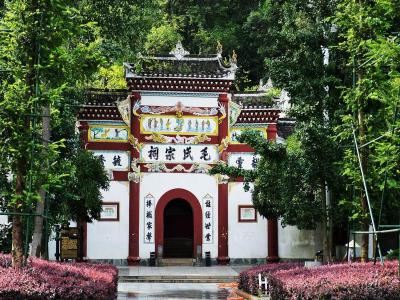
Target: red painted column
(134,200)
(223,255)
(133,256)
(272,222)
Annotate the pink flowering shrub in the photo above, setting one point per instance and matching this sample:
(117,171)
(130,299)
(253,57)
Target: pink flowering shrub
(248,280)
(42,279)
(338,281)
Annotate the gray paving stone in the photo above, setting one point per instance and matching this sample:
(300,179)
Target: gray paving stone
(170,291)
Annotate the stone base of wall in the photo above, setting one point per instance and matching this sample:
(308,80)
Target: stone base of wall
(146,261)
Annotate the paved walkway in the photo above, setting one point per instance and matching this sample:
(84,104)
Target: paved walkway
(159,282)
(182,271)
(170,291)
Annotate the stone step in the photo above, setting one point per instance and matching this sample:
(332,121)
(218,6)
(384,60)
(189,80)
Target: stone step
(179,279)
(177,262)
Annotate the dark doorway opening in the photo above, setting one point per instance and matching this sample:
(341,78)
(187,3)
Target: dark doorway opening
(178,229)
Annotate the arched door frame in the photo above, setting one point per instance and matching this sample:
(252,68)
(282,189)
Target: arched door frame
(197,216)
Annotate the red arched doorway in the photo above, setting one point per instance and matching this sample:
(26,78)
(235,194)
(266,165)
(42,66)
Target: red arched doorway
(184,201)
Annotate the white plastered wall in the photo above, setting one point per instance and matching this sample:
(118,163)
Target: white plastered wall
(246,240)
(3,219)
(297,244)
(109,239)
(159,183)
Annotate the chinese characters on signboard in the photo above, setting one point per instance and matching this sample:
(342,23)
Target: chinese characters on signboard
(172,153)
(243,160)
(69,243)
(114,160)
(207,219)
(186,125)
(149,219)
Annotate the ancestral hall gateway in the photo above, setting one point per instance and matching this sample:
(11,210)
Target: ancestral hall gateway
(158,140)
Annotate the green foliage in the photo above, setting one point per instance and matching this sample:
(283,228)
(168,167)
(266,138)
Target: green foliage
(63,50)
(110,78)
(368,36)
(79,177)
(290,36)
(122,24)
(290,196)
(79,197)
(48,49)
(162,39)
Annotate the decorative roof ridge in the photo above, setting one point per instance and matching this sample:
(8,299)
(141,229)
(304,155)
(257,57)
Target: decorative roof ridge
(199,58)
(195,76)
(250,93)
(106,91)
(253,108)
(178,93)
(180,55)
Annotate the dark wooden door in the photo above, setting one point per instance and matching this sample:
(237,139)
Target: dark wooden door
(178,229)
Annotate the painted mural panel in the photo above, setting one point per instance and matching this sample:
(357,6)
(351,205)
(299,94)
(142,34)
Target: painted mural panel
(114,160)
(185,125)
(208,220)
(108,133)
(173,153)
(243,160)
(235,132)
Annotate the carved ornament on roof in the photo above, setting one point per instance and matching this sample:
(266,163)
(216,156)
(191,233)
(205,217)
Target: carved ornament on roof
(123,108)
(135,108)
(219,49)
(234,112)
(265,87)
(179,52)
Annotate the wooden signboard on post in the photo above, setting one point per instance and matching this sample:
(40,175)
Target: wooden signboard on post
(70,243)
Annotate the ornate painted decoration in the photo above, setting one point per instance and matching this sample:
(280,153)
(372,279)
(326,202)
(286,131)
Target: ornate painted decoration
(224,144)
(139,109)
(123,108)
(107,133)
(135,175)
(221,178)
(159,138)
(135,143)
(161,167)
(185,125)
(178,153)
(234,112)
